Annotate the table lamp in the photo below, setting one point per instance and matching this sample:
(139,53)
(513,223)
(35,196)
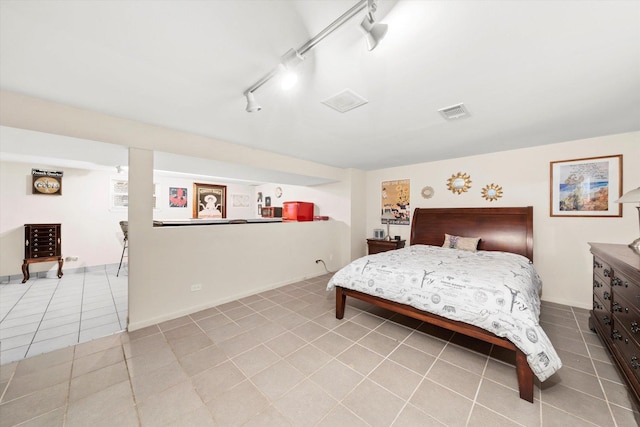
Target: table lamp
(387,216)
(633,196)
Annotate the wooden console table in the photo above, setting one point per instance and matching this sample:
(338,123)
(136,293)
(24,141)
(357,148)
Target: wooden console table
(42,243)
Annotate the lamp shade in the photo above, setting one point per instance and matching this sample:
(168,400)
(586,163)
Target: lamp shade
(387,215)
(632,196)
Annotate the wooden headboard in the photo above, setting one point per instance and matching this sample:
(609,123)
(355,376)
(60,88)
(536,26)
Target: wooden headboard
(499,229)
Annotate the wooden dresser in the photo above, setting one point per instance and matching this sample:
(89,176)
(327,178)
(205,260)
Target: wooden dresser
(379,245)
(42,243)
(616,307)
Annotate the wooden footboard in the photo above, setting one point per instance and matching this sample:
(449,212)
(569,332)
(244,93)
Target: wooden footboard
(525,374)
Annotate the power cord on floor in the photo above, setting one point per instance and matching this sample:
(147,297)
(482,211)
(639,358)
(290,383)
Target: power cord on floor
(318,261)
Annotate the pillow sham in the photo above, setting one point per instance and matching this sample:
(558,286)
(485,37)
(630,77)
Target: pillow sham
(462,243)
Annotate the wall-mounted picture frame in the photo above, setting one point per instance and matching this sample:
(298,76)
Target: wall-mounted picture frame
(209,201)
(46,182)
(178,197)
(586,187)
(396,198)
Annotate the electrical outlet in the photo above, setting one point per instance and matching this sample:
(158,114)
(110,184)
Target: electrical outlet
(71,258)
(330,257)
(196,287)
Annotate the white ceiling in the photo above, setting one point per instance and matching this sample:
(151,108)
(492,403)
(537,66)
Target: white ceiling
(530,72)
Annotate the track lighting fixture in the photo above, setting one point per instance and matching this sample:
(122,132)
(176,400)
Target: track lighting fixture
(252,104)
(290,60)
(374,33)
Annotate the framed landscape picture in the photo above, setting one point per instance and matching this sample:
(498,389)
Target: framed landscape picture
(586,187)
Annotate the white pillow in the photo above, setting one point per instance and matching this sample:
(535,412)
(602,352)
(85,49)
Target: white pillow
(462,243)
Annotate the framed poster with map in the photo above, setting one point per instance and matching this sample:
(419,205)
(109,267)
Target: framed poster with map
(586,187)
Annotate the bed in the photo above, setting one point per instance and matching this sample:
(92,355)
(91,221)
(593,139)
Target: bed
(427,293)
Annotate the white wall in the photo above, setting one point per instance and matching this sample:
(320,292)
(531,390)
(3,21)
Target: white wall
(561,252)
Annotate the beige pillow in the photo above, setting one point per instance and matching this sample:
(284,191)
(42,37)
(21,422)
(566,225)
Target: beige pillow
(462,243)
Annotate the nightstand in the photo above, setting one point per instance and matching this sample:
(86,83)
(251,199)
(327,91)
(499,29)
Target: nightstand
(378,245)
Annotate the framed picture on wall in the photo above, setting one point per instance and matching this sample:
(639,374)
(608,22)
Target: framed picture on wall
(586,187)
(209,201)
(46,182)
(177,197)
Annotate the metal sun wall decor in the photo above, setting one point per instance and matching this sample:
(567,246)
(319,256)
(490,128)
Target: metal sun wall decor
(492,192)
(459,183)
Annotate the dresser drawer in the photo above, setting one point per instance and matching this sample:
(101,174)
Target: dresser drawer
(602,269)
(624,287)
(629,349)
(602,314)
(626,315)
(602,290)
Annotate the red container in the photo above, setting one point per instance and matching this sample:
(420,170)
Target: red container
(297,211)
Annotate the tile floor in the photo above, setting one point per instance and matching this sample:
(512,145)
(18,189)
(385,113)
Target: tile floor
(48,313)
(280,358)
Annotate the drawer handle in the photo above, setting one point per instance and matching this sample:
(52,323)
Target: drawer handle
(596,264)
(606,296)
(634,327)
(615,335)
(617,307)
(606,320)
(616,281)
(607,272)
(634,362)
(596,306)
(597,284)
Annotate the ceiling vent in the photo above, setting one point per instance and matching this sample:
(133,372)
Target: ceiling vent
(453,112)
(345,101)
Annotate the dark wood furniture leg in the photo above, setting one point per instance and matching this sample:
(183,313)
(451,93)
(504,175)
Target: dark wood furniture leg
(25,271)
(525,376)
(60,262)
(341,300)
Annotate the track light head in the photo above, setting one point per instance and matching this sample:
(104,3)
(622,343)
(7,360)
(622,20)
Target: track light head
(252,104)
(290,61)
(374,31)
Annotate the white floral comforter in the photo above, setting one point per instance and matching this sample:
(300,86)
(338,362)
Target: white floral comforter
(496,291)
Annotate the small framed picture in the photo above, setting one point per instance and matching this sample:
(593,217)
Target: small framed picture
(209,201)
(46,182)
(586,187)
(177,197)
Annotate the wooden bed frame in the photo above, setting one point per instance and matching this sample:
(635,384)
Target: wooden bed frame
(500,229)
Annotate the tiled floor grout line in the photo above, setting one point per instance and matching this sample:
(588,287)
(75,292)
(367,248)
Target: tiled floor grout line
(16,303)
(113,299)
(604,393)
(475,395)
(42,318)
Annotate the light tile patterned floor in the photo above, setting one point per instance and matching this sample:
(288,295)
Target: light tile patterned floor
(47,314)
(281,358)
